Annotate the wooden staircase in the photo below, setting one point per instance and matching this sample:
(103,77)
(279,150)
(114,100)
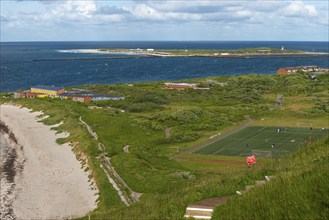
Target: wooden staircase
(204,208)
(199,212)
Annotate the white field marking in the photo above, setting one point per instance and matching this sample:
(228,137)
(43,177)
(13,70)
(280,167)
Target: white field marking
(297,141)
(261,129)
(225,148)
(200,209)
(197,216)
(219,151)
(256,139)
(242,154)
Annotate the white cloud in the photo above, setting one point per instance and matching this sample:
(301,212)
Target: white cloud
(146,12)
(170,15)
(299,9)
(75,9)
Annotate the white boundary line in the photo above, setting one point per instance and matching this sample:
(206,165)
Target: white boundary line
(200,209)
(198,216)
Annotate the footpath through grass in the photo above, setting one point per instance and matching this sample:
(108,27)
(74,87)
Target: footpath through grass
(281,143)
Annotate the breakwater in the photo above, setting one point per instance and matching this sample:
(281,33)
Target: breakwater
(92,58)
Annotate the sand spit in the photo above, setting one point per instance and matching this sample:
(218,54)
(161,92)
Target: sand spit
(48,182)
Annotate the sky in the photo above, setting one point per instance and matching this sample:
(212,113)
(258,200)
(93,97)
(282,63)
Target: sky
(179,20)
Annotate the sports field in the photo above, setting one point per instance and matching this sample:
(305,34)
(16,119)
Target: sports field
(241,143)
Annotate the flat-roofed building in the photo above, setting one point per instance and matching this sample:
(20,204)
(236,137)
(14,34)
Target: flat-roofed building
(26,94)
(50,91)
(83,99)
(104,97)
(292,70)
(19,94)
(86,96)
(180,86)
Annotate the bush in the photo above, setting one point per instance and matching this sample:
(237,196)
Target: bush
(157,98)
(144,107)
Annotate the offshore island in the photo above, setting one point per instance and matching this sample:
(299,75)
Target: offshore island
(246,53)
(165,149)
(238,53)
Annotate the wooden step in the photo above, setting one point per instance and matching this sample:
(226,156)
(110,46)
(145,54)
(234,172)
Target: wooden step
(199,212)
(269,178)
(260,182)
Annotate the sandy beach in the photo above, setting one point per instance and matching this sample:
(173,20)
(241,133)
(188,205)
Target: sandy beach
(39,178)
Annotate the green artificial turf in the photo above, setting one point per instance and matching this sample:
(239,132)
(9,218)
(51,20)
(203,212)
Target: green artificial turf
(241,143)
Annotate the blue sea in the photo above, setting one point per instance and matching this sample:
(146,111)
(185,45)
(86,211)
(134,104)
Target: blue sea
(21,65)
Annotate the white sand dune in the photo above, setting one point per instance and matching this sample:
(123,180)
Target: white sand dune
(52,184)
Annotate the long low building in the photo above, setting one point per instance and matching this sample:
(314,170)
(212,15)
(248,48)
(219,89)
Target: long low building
(50,91)
(180,86)
(292,70)
(85,96)
(79,95)
(40,91)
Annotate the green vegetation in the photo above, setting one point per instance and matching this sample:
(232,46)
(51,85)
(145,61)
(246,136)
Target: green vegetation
(300,190)
(170,181)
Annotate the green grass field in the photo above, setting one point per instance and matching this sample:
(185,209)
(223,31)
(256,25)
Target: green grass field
(241,143)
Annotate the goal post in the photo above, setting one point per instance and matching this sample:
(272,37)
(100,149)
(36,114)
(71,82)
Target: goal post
(262,153)
(304,125)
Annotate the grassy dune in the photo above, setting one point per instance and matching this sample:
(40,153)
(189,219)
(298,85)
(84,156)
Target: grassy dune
(170,181)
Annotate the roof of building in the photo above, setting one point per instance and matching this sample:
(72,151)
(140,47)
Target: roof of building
(90,94)
(181,84)
(300,67)
(51,88)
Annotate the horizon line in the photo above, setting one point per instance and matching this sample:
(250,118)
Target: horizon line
(44,41)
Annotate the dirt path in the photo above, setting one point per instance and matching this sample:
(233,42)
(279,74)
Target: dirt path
(211,160)
(212,202)
(167,131)
(277,105)
(90,130)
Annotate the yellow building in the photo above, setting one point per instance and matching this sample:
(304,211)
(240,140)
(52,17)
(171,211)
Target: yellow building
(45,91)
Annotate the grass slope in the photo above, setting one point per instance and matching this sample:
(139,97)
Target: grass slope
(300,190)
(169,182)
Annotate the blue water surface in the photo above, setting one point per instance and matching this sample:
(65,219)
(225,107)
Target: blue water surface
(21,66)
